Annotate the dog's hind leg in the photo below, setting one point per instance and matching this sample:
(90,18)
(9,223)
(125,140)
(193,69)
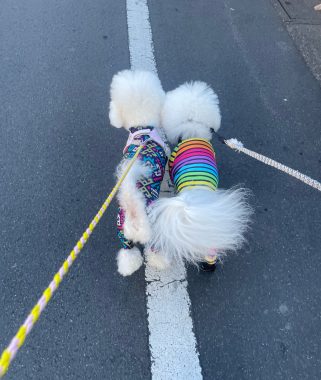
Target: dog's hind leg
(156,259)
(129,261)
(136,225)
(129,258)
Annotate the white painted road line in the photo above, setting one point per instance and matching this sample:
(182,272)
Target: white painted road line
(172,341)
(140,36)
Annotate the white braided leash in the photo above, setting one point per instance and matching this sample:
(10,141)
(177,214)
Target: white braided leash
(238,146)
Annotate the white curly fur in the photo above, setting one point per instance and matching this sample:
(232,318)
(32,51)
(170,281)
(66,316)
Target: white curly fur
(197,221)
(188,226)
(129,261)
(191,110)
(136,227)
(137,98)
(156,259)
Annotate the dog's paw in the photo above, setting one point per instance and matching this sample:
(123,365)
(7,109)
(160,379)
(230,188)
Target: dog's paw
(136,231)
(129,261)
(156,260)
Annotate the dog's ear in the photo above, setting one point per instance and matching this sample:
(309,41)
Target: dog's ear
(114,116)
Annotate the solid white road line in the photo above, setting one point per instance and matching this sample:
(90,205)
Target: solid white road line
(140,36)
(172,341)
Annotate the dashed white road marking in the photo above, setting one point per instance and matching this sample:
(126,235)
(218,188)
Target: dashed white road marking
(172,341)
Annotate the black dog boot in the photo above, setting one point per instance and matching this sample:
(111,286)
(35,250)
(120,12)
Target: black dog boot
(209,265)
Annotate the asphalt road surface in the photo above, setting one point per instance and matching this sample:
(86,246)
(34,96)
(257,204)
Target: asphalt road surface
(258,316)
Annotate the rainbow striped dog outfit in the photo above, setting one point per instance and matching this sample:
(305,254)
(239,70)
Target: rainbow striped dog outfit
(193,164)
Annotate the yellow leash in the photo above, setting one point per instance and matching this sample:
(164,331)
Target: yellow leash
(10,352)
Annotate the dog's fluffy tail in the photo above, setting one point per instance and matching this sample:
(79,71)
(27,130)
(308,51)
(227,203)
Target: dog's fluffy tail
(197,222)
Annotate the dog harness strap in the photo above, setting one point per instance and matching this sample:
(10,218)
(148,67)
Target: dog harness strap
(136,133)
(155,136)
(193,164)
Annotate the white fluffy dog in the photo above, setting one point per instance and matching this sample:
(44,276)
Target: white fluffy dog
(136,102)
(200,223)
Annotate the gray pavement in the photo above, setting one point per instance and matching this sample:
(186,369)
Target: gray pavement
(57,158)
(258,316)
(303,23)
